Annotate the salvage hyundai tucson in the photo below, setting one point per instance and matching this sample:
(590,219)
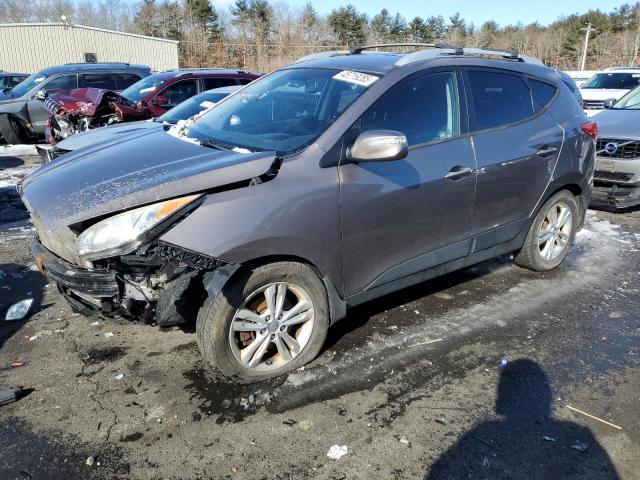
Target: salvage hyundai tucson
(340,178)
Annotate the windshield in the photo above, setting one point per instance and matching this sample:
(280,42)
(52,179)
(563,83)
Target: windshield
(191,107)
(142,88)
(27,84)
(283,111)
(614,81)
(631,101)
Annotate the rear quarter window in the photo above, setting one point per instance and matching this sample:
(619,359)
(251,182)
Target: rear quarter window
(543,93)
(498,99)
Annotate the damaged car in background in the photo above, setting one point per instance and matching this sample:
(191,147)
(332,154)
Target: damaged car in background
(192,107)
(323,185)
(88,108)
(23,117)
(616,182)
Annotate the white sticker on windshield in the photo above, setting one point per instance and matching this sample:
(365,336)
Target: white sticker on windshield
(358,78)
(147,90)
(207,104)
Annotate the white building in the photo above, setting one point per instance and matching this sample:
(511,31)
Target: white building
(29,47)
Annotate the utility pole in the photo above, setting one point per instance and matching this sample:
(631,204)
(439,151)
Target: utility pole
(587,34)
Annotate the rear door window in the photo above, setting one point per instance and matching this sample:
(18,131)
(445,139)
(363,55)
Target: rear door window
(498,99)
(124,80)
(65,82)
(543,93)
(424,109)
(210,83)
(105,81)
(178,92)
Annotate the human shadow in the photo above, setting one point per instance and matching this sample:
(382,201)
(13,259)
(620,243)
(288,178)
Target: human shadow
(526,442)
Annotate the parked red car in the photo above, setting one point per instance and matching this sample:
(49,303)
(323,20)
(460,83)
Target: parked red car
(86,108)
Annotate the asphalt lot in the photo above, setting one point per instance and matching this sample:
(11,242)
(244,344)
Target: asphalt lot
(411,384)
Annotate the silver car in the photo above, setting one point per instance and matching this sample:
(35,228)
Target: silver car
(617,175)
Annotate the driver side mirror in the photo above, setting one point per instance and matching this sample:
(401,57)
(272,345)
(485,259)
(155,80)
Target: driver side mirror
(379,146)
(40,95)
(159,101)
(608,103)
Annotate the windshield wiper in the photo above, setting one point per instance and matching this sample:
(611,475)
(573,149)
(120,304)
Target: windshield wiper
(211,144)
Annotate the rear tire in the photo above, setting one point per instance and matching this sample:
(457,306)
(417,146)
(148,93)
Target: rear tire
(551,234)
(280,318)
(11,130)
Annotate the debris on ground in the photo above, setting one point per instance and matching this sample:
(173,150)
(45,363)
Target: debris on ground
(337,451)
(18,364)
(234,469)
(546,438)
(33,337)
(403,440)
(485,462)
(305,424)
(580,446)
(196,417)
(427,342)
(12,394)
(119,376)
(19,310)
(90,461)
(108,334)
(441,420)
(573,409)
(504,362)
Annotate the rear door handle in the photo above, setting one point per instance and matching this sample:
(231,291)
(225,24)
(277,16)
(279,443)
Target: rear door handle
(458,172)
(546,151)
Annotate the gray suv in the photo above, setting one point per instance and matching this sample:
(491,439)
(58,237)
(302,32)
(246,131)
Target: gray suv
(22,113)
(328,183)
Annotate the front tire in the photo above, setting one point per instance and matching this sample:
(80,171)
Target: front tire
(265,322)
(551,234)
(11,131)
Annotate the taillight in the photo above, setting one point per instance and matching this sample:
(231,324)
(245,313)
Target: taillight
(590,128)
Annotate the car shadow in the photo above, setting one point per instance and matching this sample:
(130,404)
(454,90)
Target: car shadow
(10,162)
(359,316)
(525,441)
(18,282)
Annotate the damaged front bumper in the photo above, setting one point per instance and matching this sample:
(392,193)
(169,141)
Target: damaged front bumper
(614,196)
(164,286)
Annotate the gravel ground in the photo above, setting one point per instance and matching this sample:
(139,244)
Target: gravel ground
(412,384)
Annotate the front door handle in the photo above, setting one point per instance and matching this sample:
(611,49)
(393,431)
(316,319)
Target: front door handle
(546,151)
(458,172)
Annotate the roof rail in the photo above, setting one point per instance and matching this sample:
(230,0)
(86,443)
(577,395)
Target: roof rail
(319,55)
(469,52)
(358,50)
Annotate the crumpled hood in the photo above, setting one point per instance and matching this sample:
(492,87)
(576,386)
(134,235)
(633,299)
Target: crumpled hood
(93,182)
(622,124)
(109,135)
(82,101)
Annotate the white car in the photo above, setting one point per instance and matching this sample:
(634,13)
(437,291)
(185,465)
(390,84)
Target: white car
(580,77)
(611,83)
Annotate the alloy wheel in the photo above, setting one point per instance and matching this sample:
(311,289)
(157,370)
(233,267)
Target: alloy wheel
(555,231)
(271,328)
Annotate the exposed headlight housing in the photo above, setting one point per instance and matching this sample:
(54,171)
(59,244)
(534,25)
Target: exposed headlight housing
(122,233)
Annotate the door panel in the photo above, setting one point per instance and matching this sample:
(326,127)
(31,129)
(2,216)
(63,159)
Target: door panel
(395,213)
(515,165)
(516,149)
(403,216)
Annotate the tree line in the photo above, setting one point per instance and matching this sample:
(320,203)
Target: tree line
(263,34)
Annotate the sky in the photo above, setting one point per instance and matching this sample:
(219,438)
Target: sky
(477,11)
